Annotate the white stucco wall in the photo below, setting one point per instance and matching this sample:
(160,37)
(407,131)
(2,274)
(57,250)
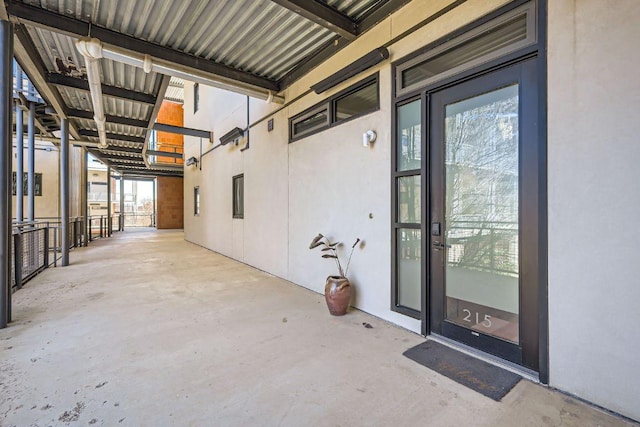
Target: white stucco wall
(594,201)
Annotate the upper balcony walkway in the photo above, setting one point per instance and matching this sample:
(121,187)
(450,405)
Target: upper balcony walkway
(145,329)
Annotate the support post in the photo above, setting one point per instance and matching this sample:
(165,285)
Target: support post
(31,162)
(108,201)
(87,223)
(64,190)
(155,207)
(121,203)
(19,158)
(6,152)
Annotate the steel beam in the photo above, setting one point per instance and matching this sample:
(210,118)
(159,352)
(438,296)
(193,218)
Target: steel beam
(116,92)
(164,154)
(126,162)
(162,127)
(322,15)
(52,21)
(333,46)
(130,156)
(118,120)
(64,190)
(115,148)
(31,163)
(6,154)
(19,164)
(115,136)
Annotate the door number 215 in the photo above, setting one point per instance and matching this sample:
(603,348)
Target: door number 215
(486,322)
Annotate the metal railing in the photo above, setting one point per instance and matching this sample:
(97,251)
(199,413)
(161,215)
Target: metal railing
(30,253)
(140,220)
(36,245)
(98,227)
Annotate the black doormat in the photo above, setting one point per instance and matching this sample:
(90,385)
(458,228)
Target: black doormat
(474,373)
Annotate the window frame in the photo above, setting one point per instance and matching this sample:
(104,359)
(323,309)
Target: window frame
(329,104)
(458,38)
(534,10)
(237,208)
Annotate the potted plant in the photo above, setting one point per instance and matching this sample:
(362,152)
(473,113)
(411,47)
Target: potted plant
(337,291)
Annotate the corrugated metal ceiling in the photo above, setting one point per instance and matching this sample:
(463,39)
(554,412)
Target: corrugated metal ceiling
(355,9)
(256,37)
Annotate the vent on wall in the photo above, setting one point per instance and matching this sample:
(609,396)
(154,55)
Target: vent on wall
(359,65)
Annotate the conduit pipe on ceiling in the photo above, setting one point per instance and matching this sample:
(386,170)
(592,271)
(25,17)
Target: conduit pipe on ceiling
(92,53)
(162,66)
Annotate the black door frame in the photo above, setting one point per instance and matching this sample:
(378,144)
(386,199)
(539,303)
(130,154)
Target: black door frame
(524,74)
(538,212)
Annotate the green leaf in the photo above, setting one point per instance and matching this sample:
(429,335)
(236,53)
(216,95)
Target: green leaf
(327,249)
(329,256)
(356,242)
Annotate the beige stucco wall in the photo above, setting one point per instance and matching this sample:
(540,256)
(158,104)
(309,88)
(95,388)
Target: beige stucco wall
(329,183)
(594,201)
(47,163)
(325,183)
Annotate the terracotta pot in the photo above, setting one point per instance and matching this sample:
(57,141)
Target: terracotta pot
(337,293)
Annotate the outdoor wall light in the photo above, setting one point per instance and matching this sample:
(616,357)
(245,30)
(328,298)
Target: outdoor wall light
(368,137)
(232,136)
(191,161)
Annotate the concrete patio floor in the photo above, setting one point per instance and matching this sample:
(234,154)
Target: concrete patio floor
(145,329)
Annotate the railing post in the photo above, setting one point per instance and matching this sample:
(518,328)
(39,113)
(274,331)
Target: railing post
(101,224)
(55,246)
(46,247)
(17,259)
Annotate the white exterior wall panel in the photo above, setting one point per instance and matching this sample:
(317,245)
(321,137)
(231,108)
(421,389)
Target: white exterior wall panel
(594,200)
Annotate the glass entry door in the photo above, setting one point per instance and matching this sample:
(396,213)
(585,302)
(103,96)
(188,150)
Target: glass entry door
(475,223)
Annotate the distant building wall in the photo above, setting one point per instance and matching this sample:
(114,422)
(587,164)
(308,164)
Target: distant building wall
(170,203)
(170,113)
(47,158)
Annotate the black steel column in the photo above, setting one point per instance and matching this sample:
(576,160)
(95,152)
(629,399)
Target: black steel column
(108,201)
(87,225)
(64,190)
(19,160)
(6,151)
(121,202)
(31,162)
(155,207)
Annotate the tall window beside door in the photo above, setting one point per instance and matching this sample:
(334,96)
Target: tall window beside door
(408,211)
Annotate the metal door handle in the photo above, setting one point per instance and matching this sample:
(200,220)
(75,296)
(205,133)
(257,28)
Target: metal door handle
(439,245)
